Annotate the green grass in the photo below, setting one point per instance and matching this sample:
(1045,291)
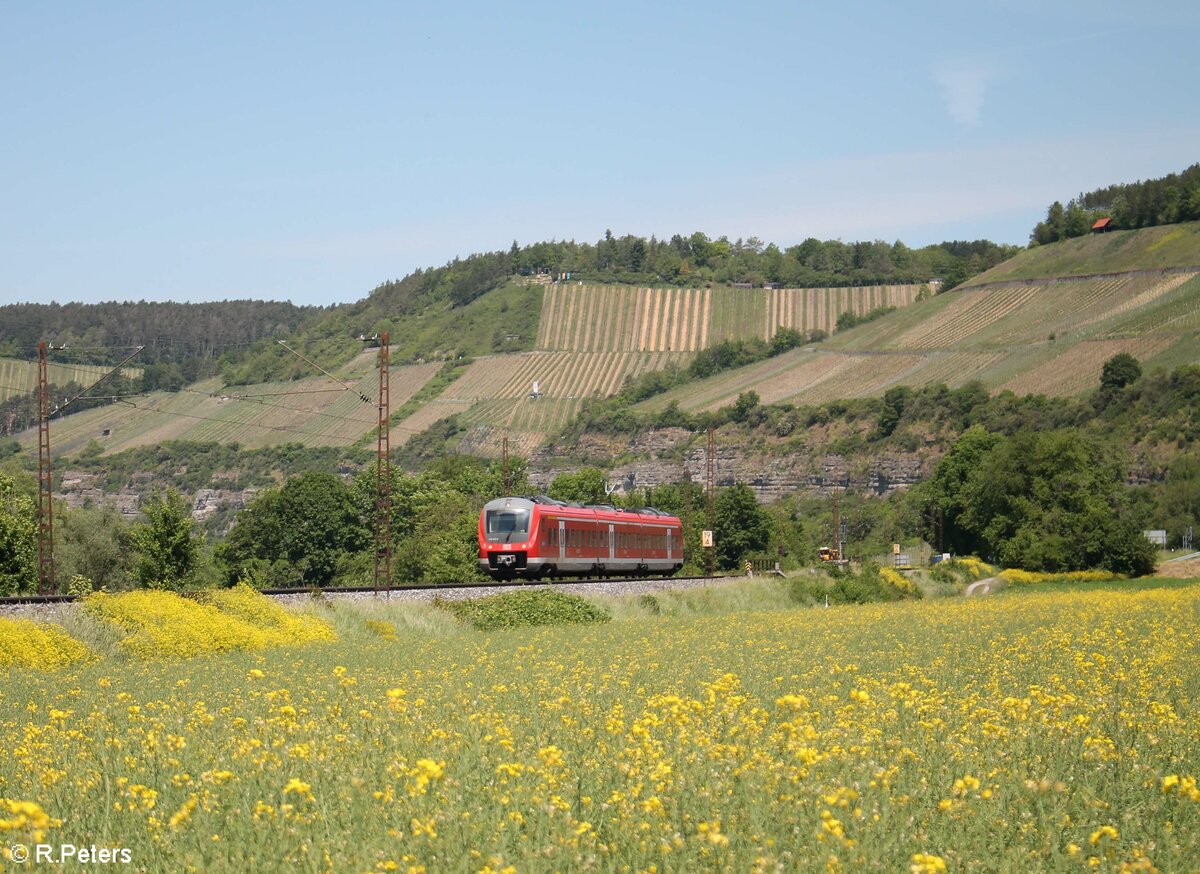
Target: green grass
(1140,584)
(517,609)
(1114,252)
(713,600)
(441,330)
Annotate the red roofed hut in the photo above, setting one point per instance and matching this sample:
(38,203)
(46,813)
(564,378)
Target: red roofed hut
(1100,225)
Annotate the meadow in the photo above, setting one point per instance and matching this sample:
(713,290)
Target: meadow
(1035,731)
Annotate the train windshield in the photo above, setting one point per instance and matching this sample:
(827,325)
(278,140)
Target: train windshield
(507,524)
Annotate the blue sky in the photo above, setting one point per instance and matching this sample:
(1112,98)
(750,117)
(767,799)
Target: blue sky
(309,151)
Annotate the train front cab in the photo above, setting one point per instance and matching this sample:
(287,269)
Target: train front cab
(507,535)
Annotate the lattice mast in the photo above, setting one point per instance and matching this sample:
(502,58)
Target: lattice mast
(383,473)
(710,483)
(507,472)
(46,581)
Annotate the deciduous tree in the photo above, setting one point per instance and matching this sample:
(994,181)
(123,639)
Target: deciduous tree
(741,526)
(166,546)
(18,539)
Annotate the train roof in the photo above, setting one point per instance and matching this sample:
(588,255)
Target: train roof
(574,509)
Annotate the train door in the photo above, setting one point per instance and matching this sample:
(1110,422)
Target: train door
(612,543)
(562,540)
(669,555)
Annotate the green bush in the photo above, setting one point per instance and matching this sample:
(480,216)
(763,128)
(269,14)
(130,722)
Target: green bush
(533,607)
(844,587)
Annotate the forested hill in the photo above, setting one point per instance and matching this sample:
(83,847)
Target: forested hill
(694,260)
(183,341)
(187,342)
(1166,200)
(425,302)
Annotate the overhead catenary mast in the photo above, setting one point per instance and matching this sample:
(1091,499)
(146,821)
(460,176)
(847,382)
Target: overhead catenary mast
(710,482)
(383,474)
(383,455)
(46,581)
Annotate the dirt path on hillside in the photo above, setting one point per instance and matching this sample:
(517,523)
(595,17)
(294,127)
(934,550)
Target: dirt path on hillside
(1179,570)
(982,587)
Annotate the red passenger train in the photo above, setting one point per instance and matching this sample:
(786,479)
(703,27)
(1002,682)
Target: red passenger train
(540,537)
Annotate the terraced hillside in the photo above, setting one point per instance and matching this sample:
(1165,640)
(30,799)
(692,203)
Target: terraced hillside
(1048,336)
(592,338)
(314,412)
(584,318)
(498,391)
(21,377)
(1017,327)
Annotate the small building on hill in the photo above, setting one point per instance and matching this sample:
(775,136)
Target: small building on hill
(1100,225)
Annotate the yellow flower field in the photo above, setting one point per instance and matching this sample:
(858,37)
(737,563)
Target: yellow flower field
(1020,577)
(162,623)
(24,642)
(1037,731)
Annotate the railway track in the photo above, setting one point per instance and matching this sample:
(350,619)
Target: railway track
(458,590)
